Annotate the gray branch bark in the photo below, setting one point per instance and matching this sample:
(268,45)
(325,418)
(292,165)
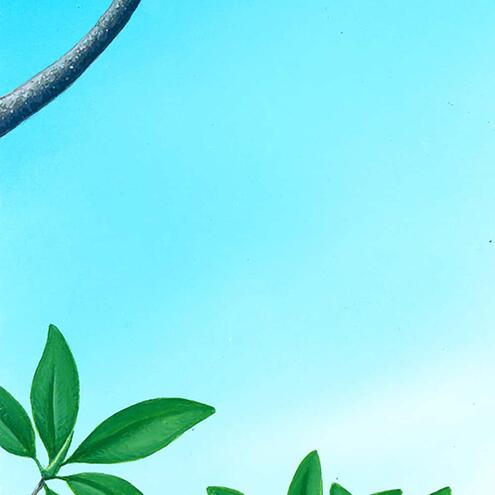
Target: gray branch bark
(39,487)
(33,95)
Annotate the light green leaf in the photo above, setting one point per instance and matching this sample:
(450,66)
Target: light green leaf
(389,492)
(55,393)
(307,480)
(444,491)
(222,490)
(49,491)
(16,430)
(140,430)
(337,489)
(99,484)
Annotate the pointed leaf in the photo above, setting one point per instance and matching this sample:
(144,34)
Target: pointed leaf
(444,491)
(389,492)
(49,491)
(55,393)
(222,490)
(16,430)
(337,489)
(307,480)
(99,484)
(140,430)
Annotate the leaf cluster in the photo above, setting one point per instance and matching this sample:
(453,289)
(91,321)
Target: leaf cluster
(308,481)
(132,433)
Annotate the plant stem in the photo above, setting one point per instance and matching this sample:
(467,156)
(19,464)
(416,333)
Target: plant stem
(39,487)
(38,463)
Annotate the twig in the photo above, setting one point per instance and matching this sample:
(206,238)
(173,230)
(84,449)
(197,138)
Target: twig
(39,487)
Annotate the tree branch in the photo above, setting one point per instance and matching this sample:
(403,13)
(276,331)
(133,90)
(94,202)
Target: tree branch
(33,95)
(39,487)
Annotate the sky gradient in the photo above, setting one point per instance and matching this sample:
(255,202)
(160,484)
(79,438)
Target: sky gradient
(282,209)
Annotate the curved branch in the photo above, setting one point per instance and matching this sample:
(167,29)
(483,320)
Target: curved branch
(33,95)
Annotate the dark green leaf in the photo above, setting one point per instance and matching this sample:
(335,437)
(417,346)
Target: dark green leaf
(443,491)
(16,430)
(307,480)
(336,489)
(99,484)
(222,490)
(55,393)
(49,491)
(389,492)
(140,430)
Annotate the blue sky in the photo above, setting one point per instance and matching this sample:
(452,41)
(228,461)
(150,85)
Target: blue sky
(282,209)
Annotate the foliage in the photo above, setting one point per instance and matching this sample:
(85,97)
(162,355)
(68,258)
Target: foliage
(308,481)
(133,433)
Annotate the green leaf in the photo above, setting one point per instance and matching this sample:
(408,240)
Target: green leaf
(337,489)
(140,430)
(99,484)
(307,480)
(55,393)
(222,490)
(49,491)
(444,491)
(389,492)
(16,430)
